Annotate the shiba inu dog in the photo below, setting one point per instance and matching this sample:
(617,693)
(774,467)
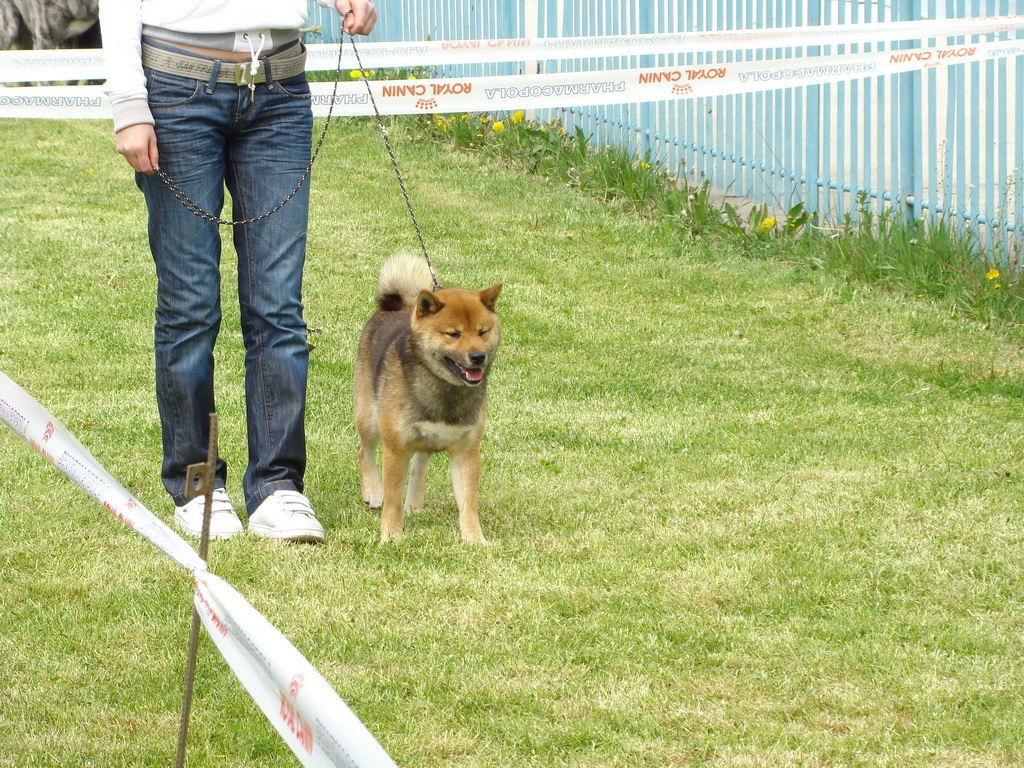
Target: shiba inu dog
(420,388)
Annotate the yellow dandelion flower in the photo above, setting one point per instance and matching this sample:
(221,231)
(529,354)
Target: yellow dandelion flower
(993,274)
(767,225)
(498,126)
(355,74)
(645,165)
(517,116)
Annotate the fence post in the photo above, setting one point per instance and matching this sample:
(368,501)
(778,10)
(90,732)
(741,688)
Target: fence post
(908,182)
(812,126)
(647,121)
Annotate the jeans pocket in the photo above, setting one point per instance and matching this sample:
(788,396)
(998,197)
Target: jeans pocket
(170,90)
(296,88)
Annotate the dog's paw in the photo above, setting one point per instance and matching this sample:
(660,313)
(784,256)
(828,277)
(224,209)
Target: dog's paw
(373,499)
(390,527)
(475,539)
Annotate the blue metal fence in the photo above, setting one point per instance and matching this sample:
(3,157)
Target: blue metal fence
(944,141)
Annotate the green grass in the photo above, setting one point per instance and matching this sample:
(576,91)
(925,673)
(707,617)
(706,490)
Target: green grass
(743,512)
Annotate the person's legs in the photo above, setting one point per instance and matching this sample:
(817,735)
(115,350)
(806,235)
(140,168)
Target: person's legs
(268,153)
(186,251)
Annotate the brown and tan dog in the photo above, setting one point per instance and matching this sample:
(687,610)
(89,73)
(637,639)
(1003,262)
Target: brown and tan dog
(420,388)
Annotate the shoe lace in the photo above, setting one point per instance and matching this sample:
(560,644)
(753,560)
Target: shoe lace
(221,503)
(296,503)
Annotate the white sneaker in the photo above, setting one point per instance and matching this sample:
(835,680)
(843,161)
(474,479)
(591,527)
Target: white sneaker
(224,523)
(286,515)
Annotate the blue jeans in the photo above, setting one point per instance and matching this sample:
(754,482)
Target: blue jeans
(258,144)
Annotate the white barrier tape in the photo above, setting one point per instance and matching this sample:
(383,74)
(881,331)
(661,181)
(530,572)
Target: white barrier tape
(507,93)
(559,90)
(43,66)
(311,718)
(55,102)
(447,52)
(34,424)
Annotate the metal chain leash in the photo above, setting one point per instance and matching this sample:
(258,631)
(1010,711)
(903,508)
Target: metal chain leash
(394,161)
(195,208)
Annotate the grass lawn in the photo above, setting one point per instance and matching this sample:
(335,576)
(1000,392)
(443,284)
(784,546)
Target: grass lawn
(742,513)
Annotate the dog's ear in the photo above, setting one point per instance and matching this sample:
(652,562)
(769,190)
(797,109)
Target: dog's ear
(490,297)
(427,304)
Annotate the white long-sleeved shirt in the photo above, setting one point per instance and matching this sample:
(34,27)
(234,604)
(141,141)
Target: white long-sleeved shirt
(211,23)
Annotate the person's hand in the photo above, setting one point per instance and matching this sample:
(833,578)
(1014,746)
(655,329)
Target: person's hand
(362,19)
(137,143)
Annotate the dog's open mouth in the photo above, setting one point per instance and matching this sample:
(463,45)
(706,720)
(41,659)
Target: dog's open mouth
(468,375)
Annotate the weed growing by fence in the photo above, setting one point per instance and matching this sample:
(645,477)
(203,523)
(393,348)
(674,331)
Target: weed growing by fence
(932,258)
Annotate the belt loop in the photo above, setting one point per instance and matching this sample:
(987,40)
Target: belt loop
(268,72)
(213,77)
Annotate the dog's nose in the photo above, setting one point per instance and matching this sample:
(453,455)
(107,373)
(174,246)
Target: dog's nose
(477,358)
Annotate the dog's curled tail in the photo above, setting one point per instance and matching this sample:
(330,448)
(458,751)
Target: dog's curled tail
(400,282)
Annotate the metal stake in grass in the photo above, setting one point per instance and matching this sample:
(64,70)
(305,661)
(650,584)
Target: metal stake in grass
(199,481)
